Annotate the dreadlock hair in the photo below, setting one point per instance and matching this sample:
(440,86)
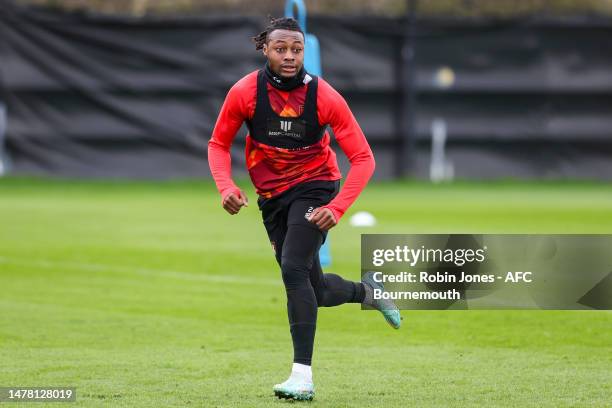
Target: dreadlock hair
(283,23)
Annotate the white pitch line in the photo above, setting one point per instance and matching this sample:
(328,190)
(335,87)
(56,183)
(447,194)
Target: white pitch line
(96,267)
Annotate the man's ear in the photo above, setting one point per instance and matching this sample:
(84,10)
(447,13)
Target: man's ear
(264,50)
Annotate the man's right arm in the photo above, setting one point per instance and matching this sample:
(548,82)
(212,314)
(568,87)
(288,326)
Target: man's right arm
(233,113)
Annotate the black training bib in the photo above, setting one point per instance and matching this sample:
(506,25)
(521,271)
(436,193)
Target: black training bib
(269,128)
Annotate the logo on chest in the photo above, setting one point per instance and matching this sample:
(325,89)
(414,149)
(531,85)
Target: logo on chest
(285,125)
(287,128)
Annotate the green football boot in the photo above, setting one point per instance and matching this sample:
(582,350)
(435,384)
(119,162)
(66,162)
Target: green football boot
(295,390)
(385,306)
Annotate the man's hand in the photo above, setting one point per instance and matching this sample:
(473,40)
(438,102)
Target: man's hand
(323,218)
(233,202)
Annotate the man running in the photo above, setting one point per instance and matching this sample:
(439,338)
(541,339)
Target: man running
(297,179)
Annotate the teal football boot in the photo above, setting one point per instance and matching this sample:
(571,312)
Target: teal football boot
(385,306)
(295,389)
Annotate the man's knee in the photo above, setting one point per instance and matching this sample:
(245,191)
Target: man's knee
(296,272)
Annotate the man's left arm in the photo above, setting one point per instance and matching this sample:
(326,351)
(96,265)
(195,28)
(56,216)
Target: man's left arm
(334,110)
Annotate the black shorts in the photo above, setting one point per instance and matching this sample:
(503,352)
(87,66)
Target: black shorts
(291,207)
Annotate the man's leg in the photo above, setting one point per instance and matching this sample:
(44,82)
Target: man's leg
(299,247)
(295,260)
(333,290)
(306,285)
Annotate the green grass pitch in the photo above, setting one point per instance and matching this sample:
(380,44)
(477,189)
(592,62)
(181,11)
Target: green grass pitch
(144,294)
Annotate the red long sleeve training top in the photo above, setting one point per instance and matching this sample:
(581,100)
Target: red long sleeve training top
(274,169)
